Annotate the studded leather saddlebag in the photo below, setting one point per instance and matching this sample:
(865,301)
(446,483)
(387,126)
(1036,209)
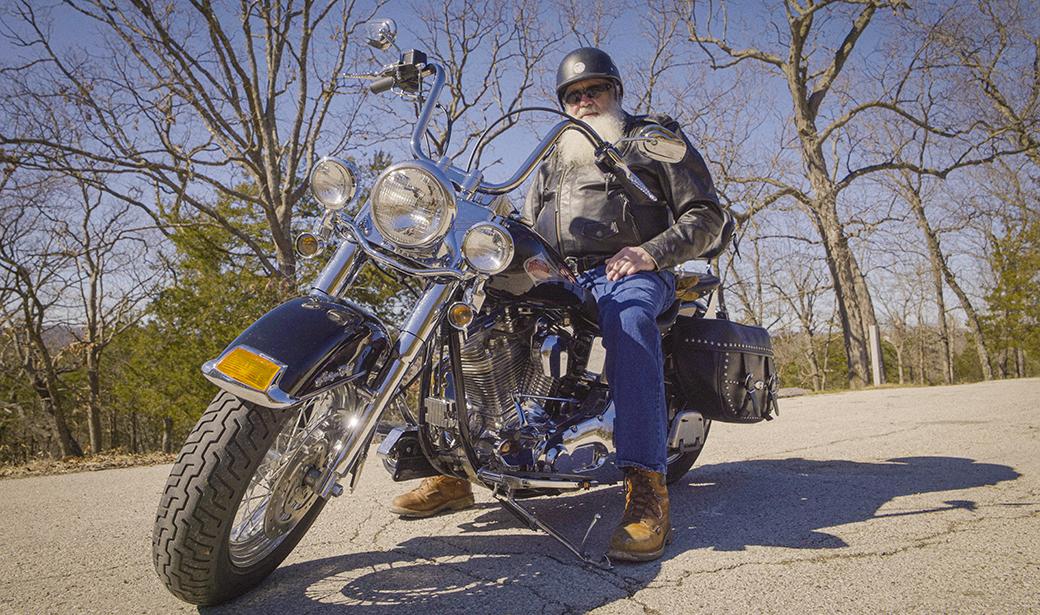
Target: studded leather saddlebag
(725,370)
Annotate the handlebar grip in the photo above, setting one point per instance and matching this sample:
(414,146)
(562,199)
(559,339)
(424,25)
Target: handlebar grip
(381,85)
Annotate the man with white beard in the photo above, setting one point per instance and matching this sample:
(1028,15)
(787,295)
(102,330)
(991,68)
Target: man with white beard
(622,248)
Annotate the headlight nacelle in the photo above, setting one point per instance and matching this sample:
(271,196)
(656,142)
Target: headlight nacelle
(488,248)
(413,204)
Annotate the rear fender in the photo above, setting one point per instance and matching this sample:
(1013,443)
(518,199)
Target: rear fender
(316,344)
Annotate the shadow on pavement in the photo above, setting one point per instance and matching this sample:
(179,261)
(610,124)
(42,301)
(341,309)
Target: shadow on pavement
(725,507)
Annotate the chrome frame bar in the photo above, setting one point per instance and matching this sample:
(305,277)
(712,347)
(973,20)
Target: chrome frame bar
(427,111)
(521,174)
(355,236)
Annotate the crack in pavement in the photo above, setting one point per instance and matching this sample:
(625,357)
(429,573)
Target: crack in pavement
(775,454)
(956,527)
(63,575)
(382,528)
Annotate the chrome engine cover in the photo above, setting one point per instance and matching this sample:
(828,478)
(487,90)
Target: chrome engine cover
(585,446)
(499,363)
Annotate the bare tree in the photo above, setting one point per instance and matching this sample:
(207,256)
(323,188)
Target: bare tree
(493,53)
(819,128)
(31,294)
(591,23)
(191,100)
(913,188)
(110,281)
(996,44)
(801,285)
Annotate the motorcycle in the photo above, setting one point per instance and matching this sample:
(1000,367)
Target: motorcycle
(502,342)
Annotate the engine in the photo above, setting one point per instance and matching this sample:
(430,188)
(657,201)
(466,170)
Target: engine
(501,361)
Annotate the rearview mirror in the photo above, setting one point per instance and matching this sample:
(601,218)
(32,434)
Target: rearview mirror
(658,143)
(381,33)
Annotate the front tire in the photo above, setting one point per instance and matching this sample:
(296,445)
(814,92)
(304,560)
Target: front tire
(191,543)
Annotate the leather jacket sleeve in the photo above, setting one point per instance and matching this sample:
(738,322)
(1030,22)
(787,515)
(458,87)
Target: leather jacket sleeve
(698,217)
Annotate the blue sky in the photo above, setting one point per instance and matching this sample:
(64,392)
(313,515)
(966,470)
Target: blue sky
(764,109)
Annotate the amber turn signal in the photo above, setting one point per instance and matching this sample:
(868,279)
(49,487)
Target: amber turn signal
(248,368)
(308,245)
(460,315)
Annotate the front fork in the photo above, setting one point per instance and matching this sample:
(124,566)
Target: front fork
(333,281)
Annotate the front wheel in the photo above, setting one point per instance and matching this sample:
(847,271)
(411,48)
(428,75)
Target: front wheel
(241,494)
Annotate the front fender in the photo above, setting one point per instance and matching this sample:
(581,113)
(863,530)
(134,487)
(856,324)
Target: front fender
(314,343)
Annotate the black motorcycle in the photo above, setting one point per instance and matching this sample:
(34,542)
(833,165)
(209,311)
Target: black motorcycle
(502,341)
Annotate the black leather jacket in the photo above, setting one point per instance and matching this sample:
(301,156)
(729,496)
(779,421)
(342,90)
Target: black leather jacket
(585,213)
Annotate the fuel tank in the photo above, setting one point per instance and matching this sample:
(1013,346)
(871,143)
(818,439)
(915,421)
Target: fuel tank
(537,274)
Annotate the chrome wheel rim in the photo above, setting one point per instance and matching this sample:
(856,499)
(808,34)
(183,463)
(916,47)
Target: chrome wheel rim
(282,489)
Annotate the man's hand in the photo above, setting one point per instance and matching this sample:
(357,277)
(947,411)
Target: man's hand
(628,261)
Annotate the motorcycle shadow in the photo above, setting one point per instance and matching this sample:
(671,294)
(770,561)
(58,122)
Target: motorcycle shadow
(495,565)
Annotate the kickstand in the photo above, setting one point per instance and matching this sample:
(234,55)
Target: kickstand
(534,523)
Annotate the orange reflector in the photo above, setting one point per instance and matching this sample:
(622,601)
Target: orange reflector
(460,315)
(248,368)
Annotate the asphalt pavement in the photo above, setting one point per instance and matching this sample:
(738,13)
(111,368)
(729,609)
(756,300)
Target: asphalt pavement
(917,500)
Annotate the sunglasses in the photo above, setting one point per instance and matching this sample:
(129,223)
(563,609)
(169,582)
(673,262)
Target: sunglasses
(573,98)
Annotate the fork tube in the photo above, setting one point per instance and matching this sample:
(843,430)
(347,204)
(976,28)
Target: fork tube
(414,335)
(342,268)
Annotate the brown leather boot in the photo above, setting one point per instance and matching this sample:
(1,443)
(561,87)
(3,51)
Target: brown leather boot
(433,495)
(645,527)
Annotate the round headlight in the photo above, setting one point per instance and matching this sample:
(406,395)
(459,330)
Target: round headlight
(334,182)
(488,248)
(412,205)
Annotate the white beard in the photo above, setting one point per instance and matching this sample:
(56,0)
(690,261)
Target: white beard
(575,150)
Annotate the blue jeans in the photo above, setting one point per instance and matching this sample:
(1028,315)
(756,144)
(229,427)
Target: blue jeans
(628,310)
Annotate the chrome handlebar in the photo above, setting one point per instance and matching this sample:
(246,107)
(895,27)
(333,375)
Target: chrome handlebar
(461,178)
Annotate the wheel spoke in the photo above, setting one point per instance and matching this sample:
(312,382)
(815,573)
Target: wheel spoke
(270,509)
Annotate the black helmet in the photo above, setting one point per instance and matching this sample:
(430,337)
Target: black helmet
(586,63)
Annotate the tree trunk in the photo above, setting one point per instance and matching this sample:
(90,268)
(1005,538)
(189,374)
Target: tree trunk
(47,392)
(974,322)
(866,310)
(93,403)
(899,364)
(827,350)
(920,358)
(113,429)
(839,261)
(135,445)
(814,364)
(167,435)
(852,298)
(939,271)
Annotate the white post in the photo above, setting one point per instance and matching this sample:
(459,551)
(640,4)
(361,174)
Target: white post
(875,356)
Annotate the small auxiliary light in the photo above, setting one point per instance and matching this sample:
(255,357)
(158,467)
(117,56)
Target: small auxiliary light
(460,315)
(308,245)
